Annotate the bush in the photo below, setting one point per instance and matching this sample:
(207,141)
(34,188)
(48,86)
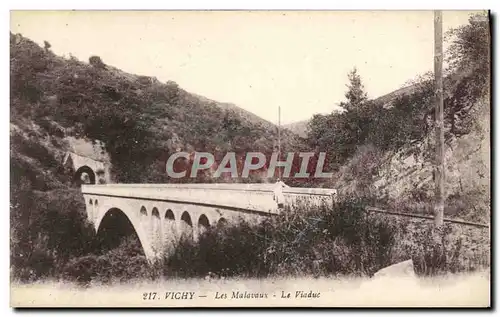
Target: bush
(47,229)
(229,251)
(325,240)
(357,177)
(105,269)
(32,147)
(40,264)
(455,248)
(342,239)
(97,62)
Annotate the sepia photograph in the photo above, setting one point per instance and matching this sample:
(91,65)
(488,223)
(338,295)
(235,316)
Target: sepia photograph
(336,159)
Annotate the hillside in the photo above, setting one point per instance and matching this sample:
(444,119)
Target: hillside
(402,179)
(138,119)
(242,113)
(299,127)
(132,123)
(385,148)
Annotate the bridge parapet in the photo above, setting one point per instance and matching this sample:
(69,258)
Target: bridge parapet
(252,197)
(314,196)
(216,196)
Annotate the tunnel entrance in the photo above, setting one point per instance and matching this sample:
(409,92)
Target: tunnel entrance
(84,175)
(116,233)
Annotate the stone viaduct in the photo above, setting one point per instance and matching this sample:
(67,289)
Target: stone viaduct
(161,214)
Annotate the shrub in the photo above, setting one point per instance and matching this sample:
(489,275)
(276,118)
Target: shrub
(97,62)
(455,248)
(47,229)
(325,240)
(358,175)
(342,239)
(105,269)
(83,269)
(50,127)
(38,264)
(32,147)
(229,251)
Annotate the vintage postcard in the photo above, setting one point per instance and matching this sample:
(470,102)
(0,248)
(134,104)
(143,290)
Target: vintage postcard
(250,159)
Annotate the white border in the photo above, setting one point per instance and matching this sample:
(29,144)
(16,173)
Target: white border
(193,5)
(256,5)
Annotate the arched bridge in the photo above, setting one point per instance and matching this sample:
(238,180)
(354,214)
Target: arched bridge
(163,213)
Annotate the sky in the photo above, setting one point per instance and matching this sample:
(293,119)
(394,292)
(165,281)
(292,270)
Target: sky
(259,61)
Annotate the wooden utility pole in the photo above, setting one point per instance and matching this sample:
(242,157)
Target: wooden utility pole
(279,140)
(439,175)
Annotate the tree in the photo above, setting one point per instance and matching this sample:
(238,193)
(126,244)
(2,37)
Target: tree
(355,118)
(468,57)
(97,62)
(172,92)
(355,95)
(47,46)
(231,125)
(340,133)
(469,49)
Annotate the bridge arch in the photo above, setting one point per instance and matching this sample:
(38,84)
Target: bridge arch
(95,212)
(91,209)
(84,170)
(203,224)
(156,230)
(115,228)
(169,230)
(169,227)
(132,212)
(169,215)
(222,222)
(144,211)
(186,225)
(155,214)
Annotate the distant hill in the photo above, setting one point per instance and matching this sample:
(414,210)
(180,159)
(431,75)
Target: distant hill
(247,115)
(299,127)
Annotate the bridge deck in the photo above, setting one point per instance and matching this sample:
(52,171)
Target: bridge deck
(252,197)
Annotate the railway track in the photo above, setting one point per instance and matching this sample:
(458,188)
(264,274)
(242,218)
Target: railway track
(402,214)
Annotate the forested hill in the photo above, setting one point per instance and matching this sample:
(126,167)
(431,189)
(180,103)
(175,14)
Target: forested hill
(140,120)
(244,114)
